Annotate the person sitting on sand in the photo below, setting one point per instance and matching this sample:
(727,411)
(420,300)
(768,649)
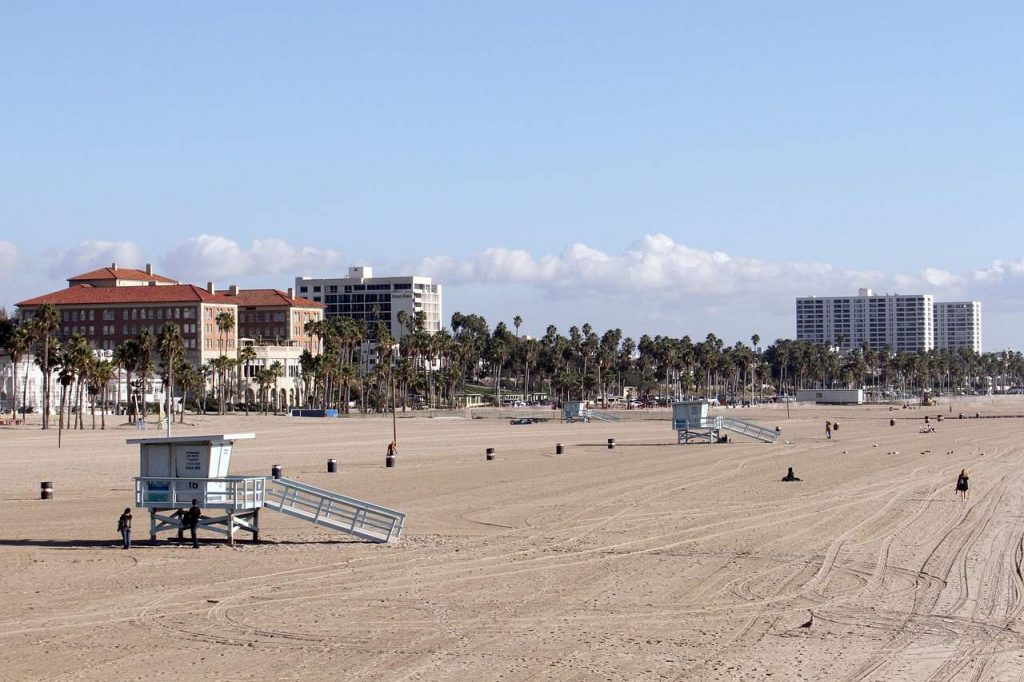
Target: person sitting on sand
(790,476)
(962,484)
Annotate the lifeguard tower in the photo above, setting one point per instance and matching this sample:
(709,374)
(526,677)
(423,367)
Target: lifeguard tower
(692,424)
(575,411)
(174,471)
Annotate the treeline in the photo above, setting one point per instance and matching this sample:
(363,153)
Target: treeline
(433,369)
(363,364)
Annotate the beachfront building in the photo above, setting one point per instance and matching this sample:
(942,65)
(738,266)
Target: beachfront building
(904,324)
(272,317)
(29,384)
(273,323)
(110,315)
(361,296)
(958,325)
(121,277)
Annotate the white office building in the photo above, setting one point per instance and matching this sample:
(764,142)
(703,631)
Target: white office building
(958,325)
(904,324)
(361,296)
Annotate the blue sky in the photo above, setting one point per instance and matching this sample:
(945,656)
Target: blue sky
(666,167)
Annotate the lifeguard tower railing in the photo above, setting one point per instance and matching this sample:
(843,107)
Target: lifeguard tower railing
(234,493)
(701,423)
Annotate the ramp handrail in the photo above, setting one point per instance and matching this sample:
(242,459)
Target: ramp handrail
(338,512)
(747,429)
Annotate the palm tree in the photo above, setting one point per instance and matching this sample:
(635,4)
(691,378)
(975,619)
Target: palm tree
(47,321)
(276,370)
(225,323)
(171,347)
(102,375)
(246,355)
(18,346)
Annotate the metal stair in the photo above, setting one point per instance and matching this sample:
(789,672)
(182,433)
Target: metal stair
(761,433)
(331,510)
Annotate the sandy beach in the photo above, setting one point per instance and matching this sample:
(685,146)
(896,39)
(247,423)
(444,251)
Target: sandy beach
(649,561)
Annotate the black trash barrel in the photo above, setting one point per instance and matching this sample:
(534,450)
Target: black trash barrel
(332,466)
(46,490)
(275,471)
(559,449)
(490,454)
(611,443)
(389,461)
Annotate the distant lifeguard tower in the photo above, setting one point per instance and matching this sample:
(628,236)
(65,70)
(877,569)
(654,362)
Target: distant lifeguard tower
(575,411)
(174,471)
(692,424)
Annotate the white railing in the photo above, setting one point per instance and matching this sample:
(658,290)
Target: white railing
(703,423)
(228,492)
(753,430)
(338,512)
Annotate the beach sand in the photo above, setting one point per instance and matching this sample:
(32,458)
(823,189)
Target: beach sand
(649,561)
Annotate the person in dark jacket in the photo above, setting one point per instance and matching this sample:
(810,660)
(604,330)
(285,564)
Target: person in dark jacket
(191,520)
(962,484)
(124,526)
(790,476)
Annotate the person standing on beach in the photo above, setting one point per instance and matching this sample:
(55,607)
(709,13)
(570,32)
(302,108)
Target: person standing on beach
(124,526)
(962,484)
(828,429)
(191,520)
(392,449)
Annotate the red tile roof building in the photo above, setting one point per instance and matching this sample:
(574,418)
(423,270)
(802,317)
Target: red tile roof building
(109,316)
(274,317)
(120,277)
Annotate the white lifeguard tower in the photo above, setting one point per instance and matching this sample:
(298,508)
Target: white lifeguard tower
(575,411)
(174,471)
(692,424)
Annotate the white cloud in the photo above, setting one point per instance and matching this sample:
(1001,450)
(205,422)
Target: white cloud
(93,254)
(652,263)
(212,257)
(657,263)
(8,259)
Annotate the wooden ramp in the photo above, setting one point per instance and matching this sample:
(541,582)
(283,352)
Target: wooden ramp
(331,510)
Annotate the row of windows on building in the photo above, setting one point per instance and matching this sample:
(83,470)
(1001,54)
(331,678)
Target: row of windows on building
(89,315)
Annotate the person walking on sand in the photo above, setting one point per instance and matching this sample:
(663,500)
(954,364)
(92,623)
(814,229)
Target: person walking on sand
(828,429)
(191,521)
(124,526)
(962,484)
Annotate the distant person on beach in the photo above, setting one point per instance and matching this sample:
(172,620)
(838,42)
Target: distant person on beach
(124,526)
(392,449)
(962,484)
(790,476)
(191,521)
(828,429)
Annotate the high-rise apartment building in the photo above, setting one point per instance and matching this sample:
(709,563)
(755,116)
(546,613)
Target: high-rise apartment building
(958,325)
(904,324)
(361,296)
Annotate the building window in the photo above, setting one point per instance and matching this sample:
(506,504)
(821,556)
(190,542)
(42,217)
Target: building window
(303,290)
